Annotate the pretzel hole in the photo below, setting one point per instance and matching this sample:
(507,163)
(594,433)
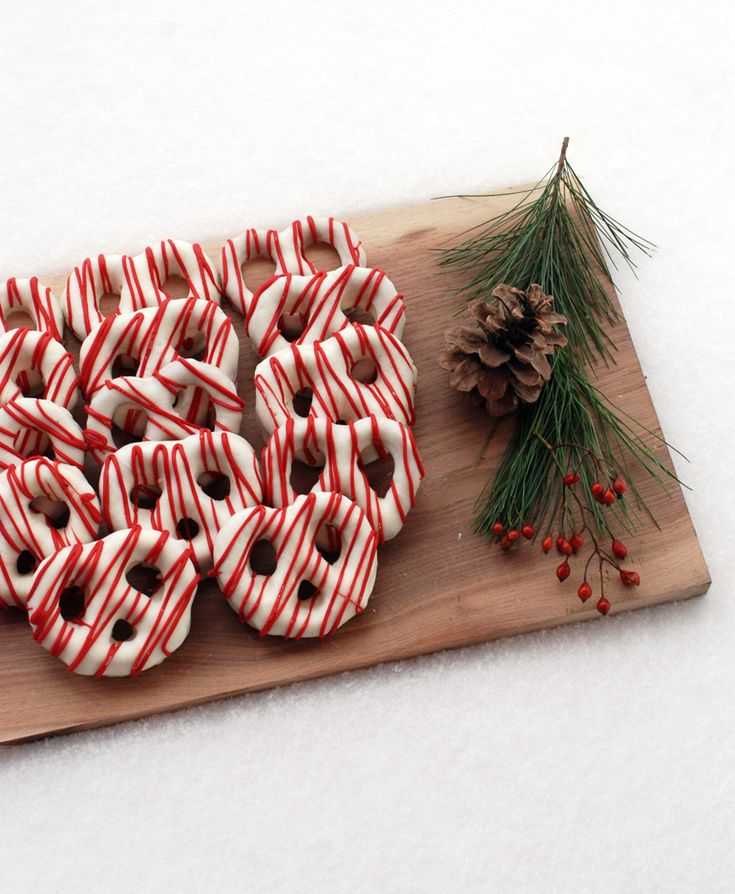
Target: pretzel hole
(307,590)
(379,474)
(26,562)
(176,287)
(322,256)
(56,512)
(215,485)
(145,496)
(291,326)
(124,365)
(256,272)
(30,382)
(186,529)
(263,558)
(360,315)
(109,304)
(19,319)
(364,371)
(72,603)
(128,425)
(303,477)
(122,630)
(201,410)
(192,345)
(331,536)
(146,579)
(302,401)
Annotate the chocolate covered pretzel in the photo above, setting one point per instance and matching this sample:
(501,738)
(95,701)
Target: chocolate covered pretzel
(296,591)
(115,607)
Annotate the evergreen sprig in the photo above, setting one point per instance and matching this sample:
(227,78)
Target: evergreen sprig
(557,236)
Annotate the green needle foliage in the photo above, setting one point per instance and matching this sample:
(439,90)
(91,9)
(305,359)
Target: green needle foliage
(557,236)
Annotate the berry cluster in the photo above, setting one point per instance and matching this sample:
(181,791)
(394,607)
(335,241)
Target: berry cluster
(568,546)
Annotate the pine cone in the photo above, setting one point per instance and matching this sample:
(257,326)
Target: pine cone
(502,358)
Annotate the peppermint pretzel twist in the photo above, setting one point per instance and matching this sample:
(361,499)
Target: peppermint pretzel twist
(152,337)
(87,284)
(305,594)
(286,249)
(146,407)
(86,609)
(146,274)
(31,426)
(35,364)
(37,301)
(320,304)
(188,488)
(45,506)
(344,452)
(327,373)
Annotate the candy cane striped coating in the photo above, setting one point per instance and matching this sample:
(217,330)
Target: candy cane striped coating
(180,471)
(277,603)
(32,361)
(286,250)
(85,287)
(155,336)
(153,626)
(146,406)
(31,494)
(328,370)
(30,426)
(320,303)
(37,301)
(146,274)
(343,451)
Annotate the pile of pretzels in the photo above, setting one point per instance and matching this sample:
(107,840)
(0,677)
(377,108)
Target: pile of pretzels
(107,576)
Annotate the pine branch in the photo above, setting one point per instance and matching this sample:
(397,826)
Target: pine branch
(557,236)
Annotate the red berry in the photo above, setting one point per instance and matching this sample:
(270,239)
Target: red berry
(619,486)
(505,543)
(527,531)
(608,498)
(576,541)
(513,535)
(570,478)
(546,545)
(559,541)
(565,548)
(585,591)
(630,578)
(563,571)
(597,489)
(498,529)
(619,549)
(603,605)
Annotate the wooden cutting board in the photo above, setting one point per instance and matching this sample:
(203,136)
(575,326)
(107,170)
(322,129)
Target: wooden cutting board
(439,585)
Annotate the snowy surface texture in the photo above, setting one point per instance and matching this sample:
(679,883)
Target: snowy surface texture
(595,759)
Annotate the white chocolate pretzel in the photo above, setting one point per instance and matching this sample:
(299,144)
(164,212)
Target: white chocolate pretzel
(146,274)
(331,371)
(152,337)
(44,506)
(30,426)
(343,452)
(146,407)
(85,287)
(188,488)
(36,301)
(86,607)
(286,249)
(304,594)
(320,303)
(33,364)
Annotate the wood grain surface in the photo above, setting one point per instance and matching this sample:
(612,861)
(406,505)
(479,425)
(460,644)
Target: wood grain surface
(439,586)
